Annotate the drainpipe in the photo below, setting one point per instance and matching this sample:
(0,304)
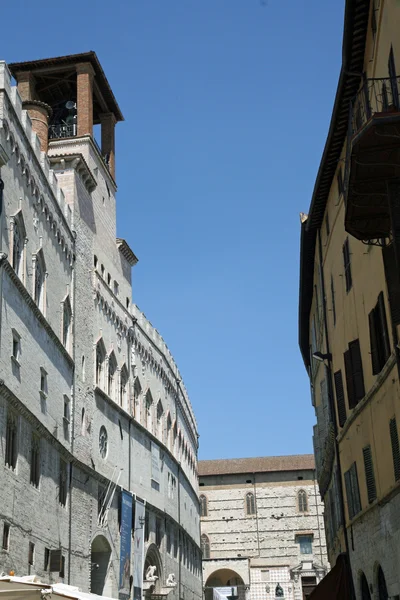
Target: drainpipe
(3,255)
(255,502)
(73,421)
(333,414)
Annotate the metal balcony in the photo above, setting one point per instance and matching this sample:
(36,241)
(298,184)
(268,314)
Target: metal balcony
(372,157)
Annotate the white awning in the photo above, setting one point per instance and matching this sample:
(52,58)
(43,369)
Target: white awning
(27,588)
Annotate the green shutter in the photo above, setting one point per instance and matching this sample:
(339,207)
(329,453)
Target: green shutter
(340,399)
(369,474)
(381,315)
(392,282)
(373,342)
(358,377)
(349,380)
(394,438)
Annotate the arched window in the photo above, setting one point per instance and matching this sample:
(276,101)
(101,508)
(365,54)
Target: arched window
(205,546)
(17,248)
(83,369)
(250,504)
(169,433)
(382,589)
(123,391)
(365,595)
(112,369)
(100,358)
(137,390)
(302,501)
(160,413)
(203,506)
(148,401)
(39,279)
(66,324)
(83,423)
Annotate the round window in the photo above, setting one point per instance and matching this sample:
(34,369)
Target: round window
(103,442)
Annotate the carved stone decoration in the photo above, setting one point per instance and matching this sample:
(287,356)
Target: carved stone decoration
(171,580)
(35,220)
(150,573)
(103,442)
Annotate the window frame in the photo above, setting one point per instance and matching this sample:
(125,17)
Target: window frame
(302,501)
(205,546)
(250,504)
(203,502)
(34,477)
(347,265)
(11,445)
(300,539)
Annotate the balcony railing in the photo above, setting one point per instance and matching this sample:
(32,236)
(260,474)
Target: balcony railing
(62,130)
(376,96)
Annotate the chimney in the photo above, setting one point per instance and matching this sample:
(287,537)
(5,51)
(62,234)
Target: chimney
(39,113)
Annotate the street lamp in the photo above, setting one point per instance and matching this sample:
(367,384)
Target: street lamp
(321,357)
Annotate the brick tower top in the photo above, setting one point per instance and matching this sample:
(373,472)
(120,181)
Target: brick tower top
(76,94)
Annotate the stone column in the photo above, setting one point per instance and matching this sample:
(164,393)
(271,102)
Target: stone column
(39,113)
(108,122)
(26,85)
(84,98)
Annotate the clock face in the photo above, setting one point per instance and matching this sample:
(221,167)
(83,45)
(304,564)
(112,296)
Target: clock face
(103,442)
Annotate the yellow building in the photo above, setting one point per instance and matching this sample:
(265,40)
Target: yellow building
(349,313)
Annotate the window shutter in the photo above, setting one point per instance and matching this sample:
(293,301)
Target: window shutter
(55,560)
(374,343)
(381,315)
(341,403)
(369,474)
(356,363)
(349,496)
(392,281)
(394,438)
(349,379)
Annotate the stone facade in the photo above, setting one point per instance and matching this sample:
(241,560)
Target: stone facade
(261,524)
(91,400)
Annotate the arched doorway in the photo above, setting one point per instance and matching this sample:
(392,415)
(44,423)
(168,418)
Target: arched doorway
(365,595)
(100,561)
(153,561)
(382,589)
(228,584)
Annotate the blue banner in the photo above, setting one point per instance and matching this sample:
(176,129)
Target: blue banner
(125,552)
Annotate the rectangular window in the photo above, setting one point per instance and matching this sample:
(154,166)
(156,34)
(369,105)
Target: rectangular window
(369,474)
(333,302)
(340,400)
(354,374)
(46,559)
(66,417)
(62,569)
(63,481)
(35,460)
(10,456)
(6,536)
(31,553)
(327,225)
(305,542)
(394,438)
(340,183)
(379,337)
(347,265)
(352,491)
(16,345)
(43,381)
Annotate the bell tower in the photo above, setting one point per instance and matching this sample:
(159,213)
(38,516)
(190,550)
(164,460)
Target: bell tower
(65,97)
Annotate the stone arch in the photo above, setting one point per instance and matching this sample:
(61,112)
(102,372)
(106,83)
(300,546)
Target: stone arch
(100,582)
(363,586)
(381,585)
(224,578)
(153,559)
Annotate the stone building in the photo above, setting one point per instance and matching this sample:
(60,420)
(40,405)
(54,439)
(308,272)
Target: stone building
(349,305)
(261,525)
(94,416)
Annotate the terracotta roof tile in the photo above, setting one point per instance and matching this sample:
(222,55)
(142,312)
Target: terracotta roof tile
(230,466)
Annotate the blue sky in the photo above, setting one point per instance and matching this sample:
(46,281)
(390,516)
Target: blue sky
(227,105)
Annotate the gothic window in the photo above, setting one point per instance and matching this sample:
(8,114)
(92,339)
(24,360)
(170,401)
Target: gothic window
(302,501)
(11,441)
(137,390)
(17,248)
(169,432)
(39,280)
(205,546)
(203,506)
(112,373)
(160,412)
(100,358)
(103,442)
(148,401)
(66,324)
(123,391)
(250,504)
(35,460)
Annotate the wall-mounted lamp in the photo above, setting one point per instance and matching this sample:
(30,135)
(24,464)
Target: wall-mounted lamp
(321,357)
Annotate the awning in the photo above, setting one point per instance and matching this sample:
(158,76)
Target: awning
(336,585)
(30,587)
